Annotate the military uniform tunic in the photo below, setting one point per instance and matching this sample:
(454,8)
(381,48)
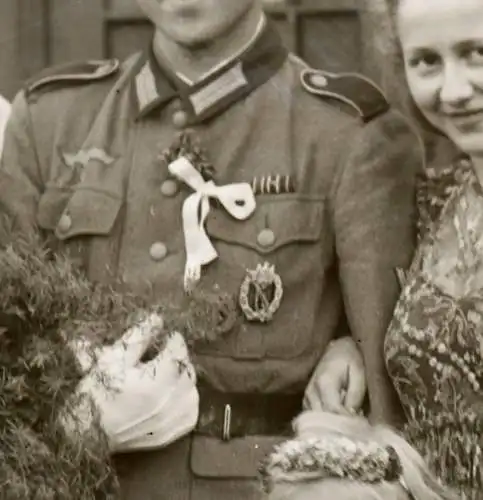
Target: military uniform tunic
(332,170)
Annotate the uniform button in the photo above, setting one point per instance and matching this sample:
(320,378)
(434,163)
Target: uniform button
(158,251)
(169,187)
(65,223)
(180,119)
(266,238)
(319,80)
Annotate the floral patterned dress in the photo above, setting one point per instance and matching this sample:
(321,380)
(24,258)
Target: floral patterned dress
(434,345)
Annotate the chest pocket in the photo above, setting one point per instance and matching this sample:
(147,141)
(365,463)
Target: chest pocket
(70,215)
(279,220)
(286,232)
(77,212)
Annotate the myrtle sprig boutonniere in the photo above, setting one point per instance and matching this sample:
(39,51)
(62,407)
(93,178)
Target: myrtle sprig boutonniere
(186,145)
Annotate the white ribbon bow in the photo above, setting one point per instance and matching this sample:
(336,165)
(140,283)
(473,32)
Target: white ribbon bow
(238,200)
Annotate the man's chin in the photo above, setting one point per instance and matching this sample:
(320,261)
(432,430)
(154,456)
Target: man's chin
(192,40)
(195,44)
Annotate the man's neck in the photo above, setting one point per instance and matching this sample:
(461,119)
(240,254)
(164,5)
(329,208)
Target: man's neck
(193,64)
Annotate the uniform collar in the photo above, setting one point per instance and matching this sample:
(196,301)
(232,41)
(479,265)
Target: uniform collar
(154,85)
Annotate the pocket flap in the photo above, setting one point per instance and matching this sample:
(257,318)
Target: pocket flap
(291,218)
(237,458)
(78,212)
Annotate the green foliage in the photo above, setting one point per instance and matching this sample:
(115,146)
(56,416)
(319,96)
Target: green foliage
(46,302)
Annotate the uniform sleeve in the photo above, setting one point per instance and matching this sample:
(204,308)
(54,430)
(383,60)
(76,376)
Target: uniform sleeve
(374,216)
(20,180)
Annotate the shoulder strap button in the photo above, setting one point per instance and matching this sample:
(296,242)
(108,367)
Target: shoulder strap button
(355,90)
(318,80)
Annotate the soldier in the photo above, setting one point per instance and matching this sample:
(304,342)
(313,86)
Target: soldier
(215,159)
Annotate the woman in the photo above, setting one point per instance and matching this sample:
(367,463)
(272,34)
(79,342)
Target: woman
(434,344)
(343,457)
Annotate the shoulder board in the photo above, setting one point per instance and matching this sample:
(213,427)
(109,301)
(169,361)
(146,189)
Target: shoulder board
(74,73)
(351,88)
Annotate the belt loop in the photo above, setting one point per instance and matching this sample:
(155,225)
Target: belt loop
(227,423)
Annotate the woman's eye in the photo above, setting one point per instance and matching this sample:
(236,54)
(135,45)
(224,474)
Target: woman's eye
(424,62)
(475,55)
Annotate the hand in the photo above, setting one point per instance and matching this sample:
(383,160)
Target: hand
(135,400)
(177,409)
(338,384)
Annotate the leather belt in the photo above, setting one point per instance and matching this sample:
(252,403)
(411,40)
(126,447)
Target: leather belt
(230,415)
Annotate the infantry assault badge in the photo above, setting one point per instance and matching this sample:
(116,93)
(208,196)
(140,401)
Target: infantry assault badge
(261,293)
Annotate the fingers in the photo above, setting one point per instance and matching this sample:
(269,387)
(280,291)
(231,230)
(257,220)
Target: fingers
(334,403)
(356,388)
(338,350)
(311,403)
(175,346)
(125,352)
(326,394)
(133,344)
(172,361)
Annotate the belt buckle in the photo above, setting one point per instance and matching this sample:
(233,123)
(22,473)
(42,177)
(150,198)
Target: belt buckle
(226,432)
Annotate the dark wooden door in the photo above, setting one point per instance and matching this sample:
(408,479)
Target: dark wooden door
(328,34)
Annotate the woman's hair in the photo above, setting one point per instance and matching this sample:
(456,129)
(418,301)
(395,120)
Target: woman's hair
(413,481)
(382,17)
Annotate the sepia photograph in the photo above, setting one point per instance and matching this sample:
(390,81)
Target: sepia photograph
(241,244)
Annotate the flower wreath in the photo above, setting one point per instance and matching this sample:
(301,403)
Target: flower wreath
(299,460)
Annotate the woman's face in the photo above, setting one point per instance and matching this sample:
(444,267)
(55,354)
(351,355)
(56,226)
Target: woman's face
(442,46)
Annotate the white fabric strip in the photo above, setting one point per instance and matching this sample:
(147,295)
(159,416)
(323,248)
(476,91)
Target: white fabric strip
(238,200)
